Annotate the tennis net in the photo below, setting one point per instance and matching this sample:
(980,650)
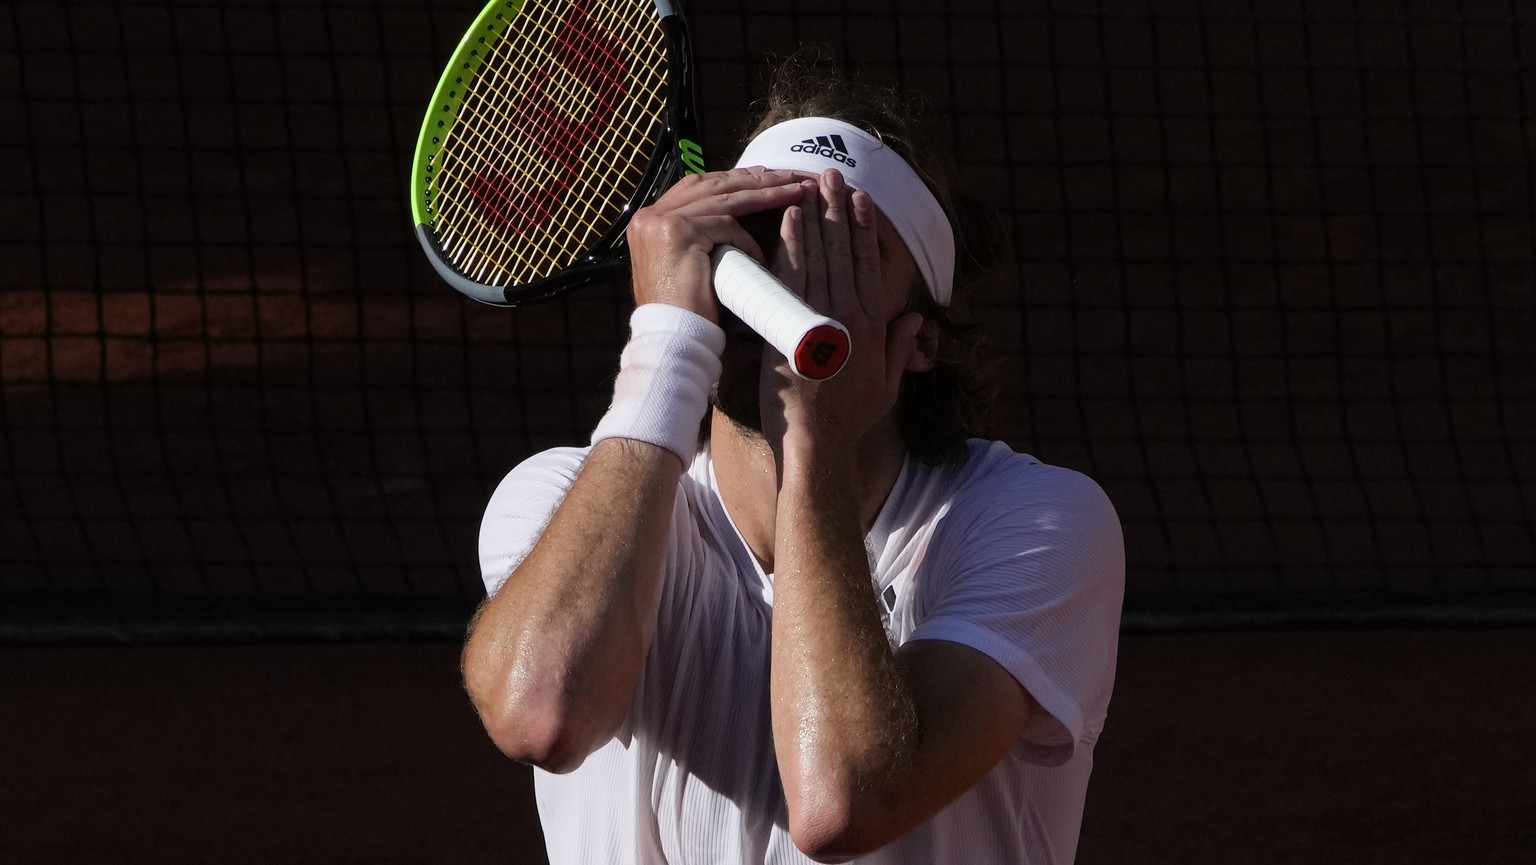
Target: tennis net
(1273,285)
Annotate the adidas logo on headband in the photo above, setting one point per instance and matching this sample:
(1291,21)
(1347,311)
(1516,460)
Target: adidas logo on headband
(828,147)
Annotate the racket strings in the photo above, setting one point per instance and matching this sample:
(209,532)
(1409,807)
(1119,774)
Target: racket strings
(502,148)
(562,141)
(553,138)
(535,118)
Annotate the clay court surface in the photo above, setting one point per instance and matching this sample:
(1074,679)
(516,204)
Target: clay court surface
(1365,746)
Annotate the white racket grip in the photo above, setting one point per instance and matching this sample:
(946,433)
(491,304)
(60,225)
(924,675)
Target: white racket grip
(815,345)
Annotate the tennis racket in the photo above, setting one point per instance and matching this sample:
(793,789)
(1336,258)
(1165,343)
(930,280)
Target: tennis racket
(554,122)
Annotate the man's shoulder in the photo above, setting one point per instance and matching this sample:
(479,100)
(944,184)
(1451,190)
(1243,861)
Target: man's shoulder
(565,455)
(996,480)
(990,463)
(557,466)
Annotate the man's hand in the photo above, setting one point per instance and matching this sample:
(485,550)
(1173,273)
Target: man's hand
(830,255)
(670,241)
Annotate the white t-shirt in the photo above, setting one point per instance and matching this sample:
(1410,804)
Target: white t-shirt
(1019,560)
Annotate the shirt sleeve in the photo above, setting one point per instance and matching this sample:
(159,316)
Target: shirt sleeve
(520,508)
(1030,571)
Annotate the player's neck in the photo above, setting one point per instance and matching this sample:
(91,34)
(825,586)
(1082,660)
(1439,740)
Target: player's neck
(747,475)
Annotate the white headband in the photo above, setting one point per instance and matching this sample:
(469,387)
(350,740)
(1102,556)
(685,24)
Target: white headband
(818,143)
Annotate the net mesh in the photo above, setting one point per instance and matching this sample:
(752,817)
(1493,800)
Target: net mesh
(1272,286)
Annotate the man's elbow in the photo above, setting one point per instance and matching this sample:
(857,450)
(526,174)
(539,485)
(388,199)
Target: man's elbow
(541,739)
(834,828)
(528,725)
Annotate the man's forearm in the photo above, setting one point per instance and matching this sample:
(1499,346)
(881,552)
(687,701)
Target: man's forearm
(553,656)
(844,720)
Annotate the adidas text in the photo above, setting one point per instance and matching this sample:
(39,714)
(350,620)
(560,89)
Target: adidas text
(827,147)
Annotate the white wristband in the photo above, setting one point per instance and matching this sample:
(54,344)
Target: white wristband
(665,373)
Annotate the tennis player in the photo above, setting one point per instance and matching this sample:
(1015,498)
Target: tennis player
(837,627)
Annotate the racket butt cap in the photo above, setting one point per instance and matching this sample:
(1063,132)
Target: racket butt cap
(822,352)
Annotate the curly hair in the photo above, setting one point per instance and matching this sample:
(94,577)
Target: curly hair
(943,406)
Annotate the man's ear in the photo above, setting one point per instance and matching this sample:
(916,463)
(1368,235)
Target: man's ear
(925,347)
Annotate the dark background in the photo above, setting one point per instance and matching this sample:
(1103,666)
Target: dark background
(1358,747)
(1273,286)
